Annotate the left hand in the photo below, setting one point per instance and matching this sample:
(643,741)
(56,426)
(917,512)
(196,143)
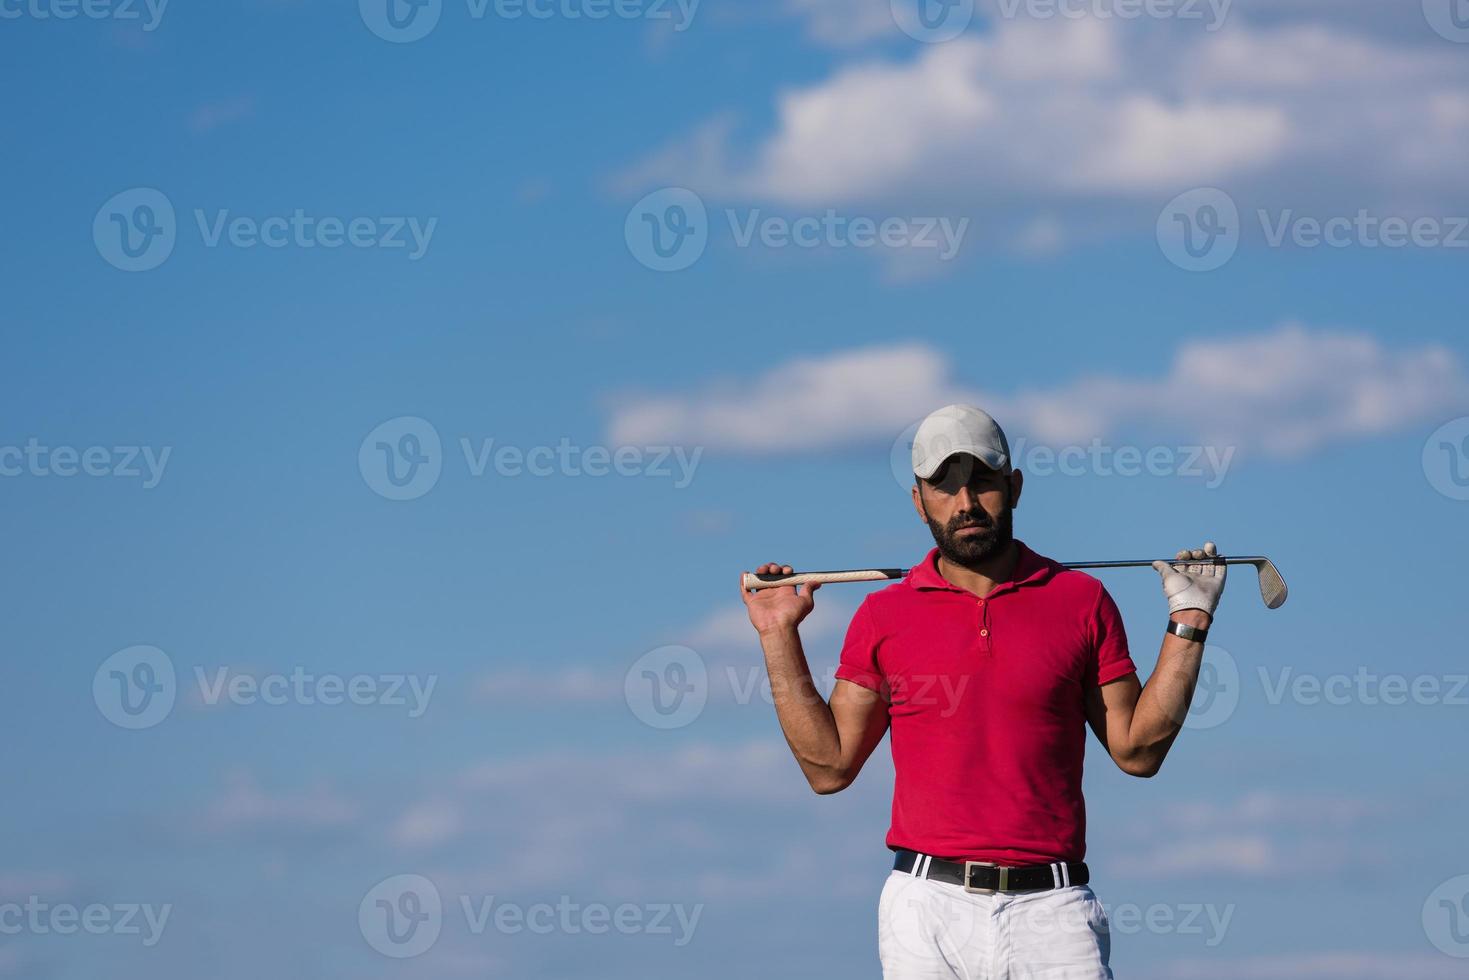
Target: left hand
(1196,586)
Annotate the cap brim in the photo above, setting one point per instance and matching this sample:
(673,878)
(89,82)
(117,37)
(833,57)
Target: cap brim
(932,466)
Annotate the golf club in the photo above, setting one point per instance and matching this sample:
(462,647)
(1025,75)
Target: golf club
(1273,590)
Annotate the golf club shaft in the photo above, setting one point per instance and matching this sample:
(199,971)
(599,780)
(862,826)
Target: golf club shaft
(1273,590)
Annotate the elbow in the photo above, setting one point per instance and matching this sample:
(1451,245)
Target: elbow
(828,782)
(1140,765)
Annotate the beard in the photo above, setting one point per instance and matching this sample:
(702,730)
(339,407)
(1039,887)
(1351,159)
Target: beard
(973,550)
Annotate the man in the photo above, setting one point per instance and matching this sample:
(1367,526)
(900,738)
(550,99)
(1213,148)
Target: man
(988,661)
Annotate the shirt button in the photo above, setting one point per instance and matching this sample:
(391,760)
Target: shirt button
(984,632)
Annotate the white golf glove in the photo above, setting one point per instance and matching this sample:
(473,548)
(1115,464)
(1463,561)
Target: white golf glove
(1192,586)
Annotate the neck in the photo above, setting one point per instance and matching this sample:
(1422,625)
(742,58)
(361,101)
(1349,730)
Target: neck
(982,578)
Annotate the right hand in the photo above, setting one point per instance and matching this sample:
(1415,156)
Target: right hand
(779,609)
(1193,586)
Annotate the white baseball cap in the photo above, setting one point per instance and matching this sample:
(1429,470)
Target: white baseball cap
(959,429)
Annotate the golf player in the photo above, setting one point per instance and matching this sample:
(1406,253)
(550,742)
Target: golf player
(987,661)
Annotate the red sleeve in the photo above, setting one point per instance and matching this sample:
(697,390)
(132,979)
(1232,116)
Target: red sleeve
(1110,658)
(859,652)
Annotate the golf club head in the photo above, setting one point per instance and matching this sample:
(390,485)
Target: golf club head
(1272,586)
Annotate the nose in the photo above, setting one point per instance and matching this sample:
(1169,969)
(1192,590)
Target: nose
(966,499)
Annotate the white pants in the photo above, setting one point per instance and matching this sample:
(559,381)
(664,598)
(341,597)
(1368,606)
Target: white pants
(929,930)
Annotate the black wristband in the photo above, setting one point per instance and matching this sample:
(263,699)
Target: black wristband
(1194,634)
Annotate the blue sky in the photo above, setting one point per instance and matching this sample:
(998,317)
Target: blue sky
(231,403)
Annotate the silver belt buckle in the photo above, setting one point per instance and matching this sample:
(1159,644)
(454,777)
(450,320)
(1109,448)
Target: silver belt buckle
(969,867)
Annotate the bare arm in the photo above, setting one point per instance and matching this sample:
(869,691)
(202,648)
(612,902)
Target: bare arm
(830,742)
(1137,724)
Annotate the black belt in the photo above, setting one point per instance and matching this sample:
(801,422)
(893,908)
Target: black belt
(982,876)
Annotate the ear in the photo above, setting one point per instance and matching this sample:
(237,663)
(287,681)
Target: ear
(918,503)
(1017,484)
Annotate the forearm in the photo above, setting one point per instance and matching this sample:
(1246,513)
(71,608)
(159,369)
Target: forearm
(1163,705)
(805,717)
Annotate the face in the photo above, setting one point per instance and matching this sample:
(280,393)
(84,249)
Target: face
(969,508)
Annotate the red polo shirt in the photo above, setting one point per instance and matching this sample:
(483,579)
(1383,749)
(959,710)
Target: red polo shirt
(987,706)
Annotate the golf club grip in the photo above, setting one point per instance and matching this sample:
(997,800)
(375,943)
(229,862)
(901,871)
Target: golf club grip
(753,581)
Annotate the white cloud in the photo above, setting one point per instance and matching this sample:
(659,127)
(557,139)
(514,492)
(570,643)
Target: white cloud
(723,639)
(546,818)
(428,823)
(841,23)
(212,115)
(1262,834)
(727,628)
(1094,112)
(848,23)
(16,886)
(839,398)
(1284,393)
(565,685)
(1237,854)
(246,809)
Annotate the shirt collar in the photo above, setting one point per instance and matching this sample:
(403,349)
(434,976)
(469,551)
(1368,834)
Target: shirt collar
(1031,567)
